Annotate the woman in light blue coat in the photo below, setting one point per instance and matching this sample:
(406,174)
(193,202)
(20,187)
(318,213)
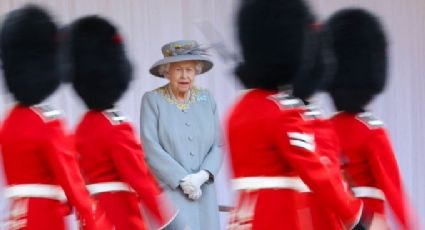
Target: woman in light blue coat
(180,133)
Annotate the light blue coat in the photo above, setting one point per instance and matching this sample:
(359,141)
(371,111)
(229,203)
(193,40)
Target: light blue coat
(180,139)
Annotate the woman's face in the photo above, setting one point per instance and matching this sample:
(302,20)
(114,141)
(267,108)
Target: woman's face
(181,76)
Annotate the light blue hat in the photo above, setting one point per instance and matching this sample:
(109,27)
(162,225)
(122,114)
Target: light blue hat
(183,50)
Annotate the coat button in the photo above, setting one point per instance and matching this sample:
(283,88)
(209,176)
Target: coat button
(187,124)
(190,138)
(191,153)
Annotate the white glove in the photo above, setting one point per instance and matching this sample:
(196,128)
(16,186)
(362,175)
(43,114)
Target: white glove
(192,183)
(187,186)
(196,194)
(189,189)
(199,178)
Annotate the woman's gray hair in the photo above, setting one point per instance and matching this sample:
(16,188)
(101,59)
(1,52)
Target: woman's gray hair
(163,69)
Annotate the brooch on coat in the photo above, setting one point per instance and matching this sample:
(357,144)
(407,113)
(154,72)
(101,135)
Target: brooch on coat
(202,97)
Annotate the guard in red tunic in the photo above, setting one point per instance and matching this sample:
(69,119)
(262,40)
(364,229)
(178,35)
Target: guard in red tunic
(39,160)
(327,147)
(370,165)
(307,82)
(111,156)
(273,147)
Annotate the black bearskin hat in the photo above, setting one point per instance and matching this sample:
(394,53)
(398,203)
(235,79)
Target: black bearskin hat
(360,48)
(29,53)
(98,66)
(271,35)
(319,63)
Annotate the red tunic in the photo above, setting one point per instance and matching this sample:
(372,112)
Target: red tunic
(110,152)
(370,163)
(328,148)
(268,138)
(35,151)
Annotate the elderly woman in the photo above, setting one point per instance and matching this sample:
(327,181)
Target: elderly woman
(180,133)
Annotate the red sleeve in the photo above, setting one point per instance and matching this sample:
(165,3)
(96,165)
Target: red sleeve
(61,157)
(386,173)
(297,143)
(128,156)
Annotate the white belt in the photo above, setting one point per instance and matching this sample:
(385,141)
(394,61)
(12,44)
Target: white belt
(109,187)
(368,192)
(54,192)
(254,183)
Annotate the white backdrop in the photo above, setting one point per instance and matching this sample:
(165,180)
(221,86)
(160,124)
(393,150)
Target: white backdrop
(148,24)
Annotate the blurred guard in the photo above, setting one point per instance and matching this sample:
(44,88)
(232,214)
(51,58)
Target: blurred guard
(315,212)
(273,148)
(370,165)
(39,160)
(110,155)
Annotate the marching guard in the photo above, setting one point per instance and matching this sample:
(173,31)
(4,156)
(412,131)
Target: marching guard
(39,160)
(369,162)
(272,146)
(110,155)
